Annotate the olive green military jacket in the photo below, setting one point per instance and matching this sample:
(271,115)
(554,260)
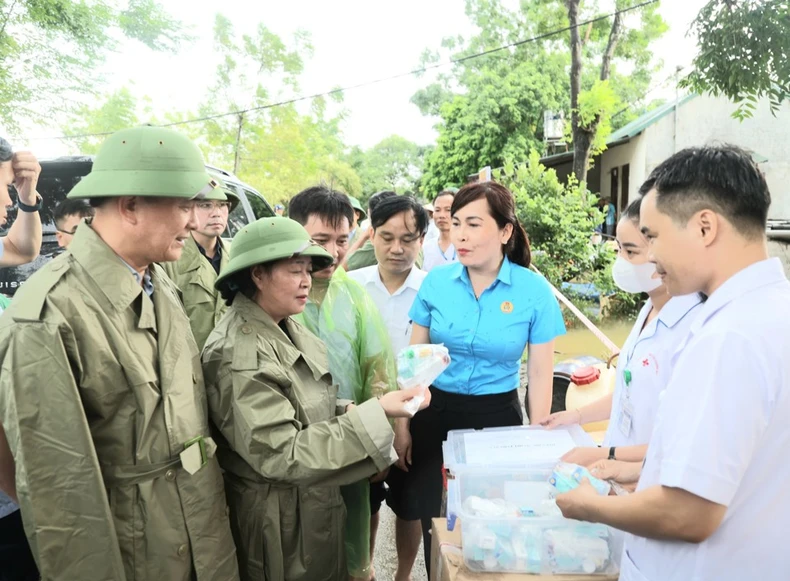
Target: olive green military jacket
(284,447)
(195,276)
(100,390)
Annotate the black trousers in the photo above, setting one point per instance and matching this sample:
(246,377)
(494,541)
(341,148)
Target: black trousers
(16,560)
(429,428)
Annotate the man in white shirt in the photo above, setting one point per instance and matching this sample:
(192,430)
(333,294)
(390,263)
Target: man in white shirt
(712,501)
(398,229)
(440,250)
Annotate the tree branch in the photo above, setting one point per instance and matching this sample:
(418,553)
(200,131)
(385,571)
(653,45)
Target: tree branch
(7,18)
(614,37)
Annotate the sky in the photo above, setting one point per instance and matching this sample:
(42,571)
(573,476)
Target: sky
(354,41)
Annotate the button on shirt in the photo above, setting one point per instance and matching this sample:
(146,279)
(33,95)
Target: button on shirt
(433,255)
(486,337)
(394,308)
(722,434)
(646,356)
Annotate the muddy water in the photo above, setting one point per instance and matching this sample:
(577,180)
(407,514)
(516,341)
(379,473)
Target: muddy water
(580,341)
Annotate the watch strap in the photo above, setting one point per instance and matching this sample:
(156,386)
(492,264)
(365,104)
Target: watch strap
(30,209)
(611,453)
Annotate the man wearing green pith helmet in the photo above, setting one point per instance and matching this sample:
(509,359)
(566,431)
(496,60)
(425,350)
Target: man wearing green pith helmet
(101,390)
(204,255)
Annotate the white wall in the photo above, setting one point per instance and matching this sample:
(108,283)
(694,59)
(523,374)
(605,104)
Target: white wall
(628,153)
(704,120)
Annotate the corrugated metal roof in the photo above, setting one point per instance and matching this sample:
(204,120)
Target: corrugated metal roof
(639,124)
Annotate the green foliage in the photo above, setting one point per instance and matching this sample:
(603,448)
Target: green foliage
(491,108)
(596,106)
(392,164)
(559,218)
(49,49)
(618,303)
(744,53)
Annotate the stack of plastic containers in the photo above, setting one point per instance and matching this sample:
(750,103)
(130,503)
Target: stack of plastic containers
(499,487)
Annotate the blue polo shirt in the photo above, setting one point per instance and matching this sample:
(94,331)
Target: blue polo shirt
(486,337)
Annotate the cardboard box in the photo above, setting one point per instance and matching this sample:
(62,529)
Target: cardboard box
(447,561)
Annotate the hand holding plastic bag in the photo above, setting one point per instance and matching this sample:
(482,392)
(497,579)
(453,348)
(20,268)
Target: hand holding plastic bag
(419,366)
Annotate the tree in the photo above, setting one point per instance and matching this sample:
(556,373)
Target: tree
(89,125)
(491,107)
(394,164)
(49,49)
(592,110)
(744,53)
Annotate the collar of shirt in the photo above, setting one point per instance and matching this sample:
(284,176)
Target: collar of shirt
(373,275)
(145,280)
(106,268)
(216,262)
(459,271)
(755,276)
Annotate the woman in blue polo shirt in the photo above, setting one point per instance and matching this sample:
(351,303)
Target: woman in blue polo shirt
(486,309)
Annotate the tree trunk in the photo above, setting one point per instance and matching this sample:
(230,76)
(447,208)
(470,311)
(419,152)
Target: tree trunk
(583,136)
(237,154)
(580,151)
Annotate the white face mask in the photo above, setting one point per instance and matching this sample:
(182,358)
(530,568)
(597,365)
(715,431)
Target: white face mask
(635,278)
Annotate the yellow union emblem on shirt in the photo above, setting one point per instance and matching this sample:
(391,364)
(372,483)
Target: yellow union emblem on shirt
(507,307)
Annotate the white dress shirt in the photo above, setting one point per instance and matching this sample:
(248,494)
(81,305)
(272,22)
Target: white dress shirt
(722,434)
(394,308)
(644,368)
(433,256)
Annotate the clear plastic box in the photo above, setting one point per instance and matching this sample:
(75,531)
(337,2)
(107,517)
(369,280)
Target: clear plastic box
(537,538)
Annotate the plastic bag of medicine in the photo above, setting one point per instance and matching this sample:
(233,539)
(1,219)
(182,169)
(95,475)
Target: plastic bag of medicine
(420,365)
(566,477)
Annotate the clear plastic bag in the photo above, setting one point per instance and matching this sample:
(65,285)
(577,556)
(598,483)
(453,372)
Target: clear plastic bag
(566,477)
(420,365)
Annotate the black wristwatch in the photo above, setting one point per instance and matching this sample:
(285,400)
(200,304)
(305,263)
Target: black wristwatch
(30,209)
(611,453)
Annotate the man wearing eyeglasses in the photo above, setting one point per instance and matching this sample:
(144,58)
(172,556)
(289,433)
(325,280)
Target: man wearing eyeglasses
(68,215)
(204,255)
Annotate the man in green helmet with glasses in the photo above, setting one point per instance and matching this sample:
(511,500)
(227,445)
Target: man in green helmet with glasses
(204,255)
(101,390)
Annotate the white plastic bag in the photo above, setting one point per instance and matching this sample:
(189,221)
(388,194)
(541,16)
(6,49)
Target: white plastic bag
(420,365)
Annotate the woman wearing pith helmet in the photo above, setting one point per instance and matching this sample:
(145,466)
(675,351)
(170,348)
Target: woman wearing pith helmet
(285,441)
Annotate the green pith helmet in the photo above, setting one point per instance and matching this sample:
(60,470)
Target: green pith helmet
(147,161)
(357,206)
(232,197)
(218,194)
(270,239)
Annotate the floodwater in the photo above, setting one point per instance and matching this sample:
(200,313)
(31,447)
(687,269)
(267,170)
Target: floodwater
(580,341)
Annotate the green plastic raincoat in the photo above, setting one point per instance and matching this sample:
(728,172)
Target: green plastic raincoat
(361,360)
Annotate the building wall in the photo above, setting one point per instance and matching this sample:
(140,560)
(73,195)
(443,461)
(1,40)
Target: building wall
(704,120)
(631,153)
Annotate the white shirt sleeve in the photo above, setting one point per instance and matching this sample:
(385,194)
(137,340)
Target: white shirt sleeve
(714,414)
(2,246)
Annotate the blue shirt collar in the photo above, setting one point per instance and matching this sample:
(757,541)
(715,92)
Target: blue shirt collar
(504,275)
(148,284)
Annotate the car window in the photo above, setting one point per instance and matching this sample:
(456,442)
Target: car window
(237,219)
(259,206)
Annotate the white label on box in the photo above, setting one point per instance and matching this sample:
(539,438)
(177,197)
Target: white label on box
(516,446)
(526,495)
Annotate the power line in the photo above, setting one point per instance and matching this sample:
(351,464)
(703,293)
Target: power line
(375,81)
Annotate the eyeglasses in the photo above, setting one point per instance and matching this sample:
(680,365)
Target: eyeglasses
(209,206)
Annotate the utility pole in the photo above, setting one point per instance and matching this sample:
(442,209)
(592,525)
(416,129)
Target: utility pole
(237,156)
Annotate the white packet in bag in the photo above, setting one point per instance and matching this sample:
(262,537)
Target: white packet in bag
(420,365)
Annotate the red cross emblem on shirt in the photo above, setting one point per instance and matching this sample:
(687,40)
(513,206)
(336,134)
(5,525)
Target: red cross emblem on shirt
(645,363)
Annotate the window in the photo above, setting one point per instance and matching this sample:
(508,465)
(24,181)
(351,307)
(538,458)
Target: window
(260,208)
(238,217)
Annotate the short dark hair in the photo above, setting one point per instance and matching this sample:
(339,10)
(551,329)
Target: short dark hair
(70,208)
(721,178)
(446,192)
(377,198)
(395,205)
(633,211)
(6,153)
(329,205)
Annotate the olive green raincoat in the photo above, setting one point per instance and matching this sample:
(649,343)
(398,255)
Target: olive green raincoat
(100,390)
(284,447)
(195,276)
(347,320)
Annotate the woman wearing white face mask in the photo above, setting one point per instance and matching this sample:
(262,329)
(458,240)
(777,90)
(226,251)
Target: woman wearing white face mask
(644,365)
